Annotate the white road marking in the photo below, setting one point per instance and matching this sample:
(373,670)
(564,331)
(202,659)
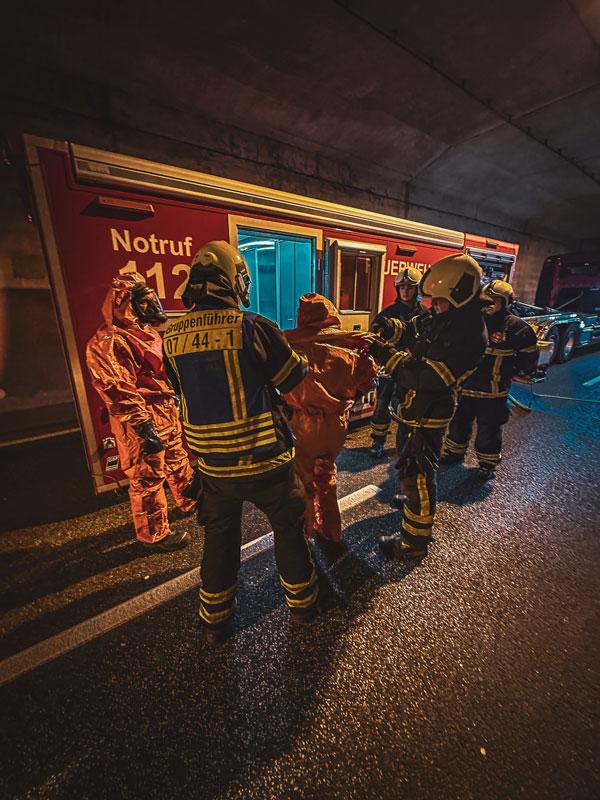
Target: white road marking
(56,646)
(592,381)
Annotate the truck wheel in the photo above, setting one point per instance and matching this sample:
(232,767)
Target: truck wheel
(552,338)
(566,346)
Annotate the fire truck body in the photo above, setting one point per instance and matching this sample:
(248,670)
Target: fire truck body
(103,213)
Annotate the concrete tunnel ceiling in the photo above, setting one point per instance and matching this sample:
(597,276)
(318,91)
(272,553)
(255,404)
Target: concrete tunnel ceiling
(485,110)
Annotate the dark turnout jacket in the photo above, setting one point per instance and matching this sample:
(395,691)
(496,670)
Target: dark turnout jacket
(512,349)
(228,366)
(432,359)
(400,310)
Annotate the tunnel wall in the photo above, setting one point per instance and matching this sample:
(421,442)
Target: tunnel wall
(34,386)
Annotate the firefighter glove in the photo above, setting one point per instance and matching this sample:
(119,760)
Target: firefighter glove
(152,441)
(381,325)
(391,330)
(381,351)
(193,488)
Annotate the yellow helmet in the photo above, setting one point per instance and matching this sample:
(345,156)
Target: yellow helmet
(218,270)
(497,288)
(456,278)
(410,275)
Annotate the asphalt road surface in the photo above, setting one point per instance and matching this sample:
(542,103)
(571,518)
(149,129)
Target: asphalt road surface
(473,675)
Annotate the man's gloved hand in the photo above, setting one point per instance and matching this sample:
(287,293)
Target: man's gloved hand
(391,330)
(381,351)
(193,488)
(152,441)
(379,325)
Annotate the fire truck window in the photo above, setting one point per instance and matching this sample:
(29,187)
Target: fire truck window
(586,301)
(356,273)
(282,268)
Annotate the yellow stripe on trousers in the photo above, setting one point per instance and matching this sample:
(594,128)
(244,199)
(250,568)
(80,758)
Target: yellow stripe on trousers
(423,495)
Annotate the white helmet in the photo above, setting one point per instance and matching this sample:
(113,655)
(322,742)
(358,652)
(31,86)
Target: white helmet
(218,270)
(456,278)
(410,275)
(497,288)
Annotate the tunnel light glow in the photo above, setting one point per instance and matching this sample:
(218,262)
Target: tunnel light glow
(264,244)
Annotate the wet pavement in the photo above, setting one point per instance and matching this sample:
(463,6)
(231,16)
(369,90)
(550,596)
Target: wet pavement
(473,675)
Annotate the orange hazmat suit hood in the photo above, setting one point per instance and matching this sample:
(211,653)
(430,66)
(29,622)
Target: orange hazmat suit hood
(316,311)
(339,365)
(117,308)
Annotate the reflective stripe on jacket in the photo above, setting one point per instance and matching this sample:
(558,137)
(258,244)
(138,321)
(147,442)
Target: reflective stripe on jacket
(436,354)
(228,366)
(512,349)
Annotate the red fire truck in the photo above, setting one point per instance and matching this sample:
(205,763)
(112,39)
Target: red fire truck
(103,213)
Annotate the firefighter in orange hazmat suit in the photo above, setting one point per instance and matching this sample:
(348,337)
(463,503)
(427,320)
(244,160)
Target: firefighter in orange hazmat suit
(339,367)
(124,358)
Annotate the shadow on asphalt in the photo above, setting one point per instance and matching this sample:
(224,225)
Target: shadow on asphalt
(462,486)
(299,661)
(359,459)
(34,572)
(168,707)
(31,632)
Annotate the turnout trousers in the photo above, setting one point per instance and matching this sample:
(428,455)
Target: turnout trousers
(148,472)
(381,420)
(418,465)
(319,439)
(490,414)
(280,496)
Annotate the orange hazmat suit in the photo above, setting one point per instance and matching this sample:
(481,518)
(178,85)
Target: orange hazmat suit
(339,368)
(124,358)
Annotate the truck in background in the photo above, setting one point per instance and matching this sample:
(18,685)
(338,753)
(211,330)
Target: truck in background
(566,313)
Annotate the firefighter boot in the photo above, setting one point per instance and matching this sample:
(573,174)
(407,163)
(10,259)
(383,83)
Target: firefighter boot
(174,541)
(395,546)
(377,450)
(215,635)
(486,471)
